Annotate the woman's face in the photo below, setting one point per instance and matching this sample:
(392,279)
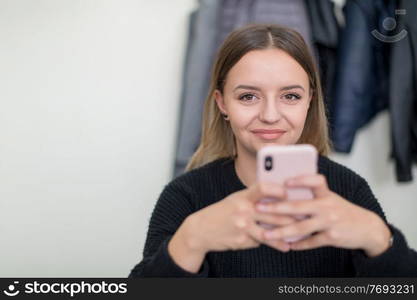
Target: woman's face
(266,97)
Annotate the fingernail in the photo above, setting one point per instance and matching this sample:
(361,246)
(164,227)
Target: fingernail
(262,207)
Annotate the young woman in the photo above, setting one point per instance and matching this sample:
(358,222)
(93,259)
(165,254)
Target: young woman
(265,90)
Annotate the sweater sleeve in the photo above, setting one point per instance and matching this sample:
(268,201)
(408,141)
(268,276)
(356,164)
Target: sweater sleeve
(173,206)
(398,260)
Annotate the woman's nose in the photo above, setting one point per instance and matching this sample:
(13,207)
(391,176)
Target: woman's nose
(269,112)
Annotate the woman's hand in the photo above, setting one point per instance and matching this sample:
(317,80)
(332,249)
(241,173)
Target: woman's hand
(231,224)
(336,221)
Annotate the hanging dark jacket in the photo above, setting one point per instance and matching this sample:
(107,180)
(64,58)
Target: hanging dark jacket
(361,87)
(403,92)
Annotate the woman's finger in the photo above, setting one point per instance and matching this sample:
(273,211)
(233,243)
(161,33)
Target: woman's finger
(256,232)
(274,219)
(278,244)
(261,190)
(314,241)
(302,207)
(317,183)
(300,228)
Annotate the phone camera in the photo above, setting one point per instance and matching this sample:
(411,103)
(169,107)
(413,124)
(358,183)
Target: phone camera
(268,163)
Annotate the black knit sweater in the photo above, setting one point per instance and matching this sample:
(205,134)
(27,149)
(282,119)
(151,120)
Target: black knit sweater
(214,181)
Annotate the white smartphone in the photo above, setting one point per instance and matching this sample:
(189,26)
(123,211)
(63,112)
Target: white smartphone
(276,163)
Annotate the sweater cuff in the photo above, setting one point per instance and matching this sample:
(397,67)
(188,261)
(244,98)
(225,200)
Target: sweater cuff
(388,263)
(166,267)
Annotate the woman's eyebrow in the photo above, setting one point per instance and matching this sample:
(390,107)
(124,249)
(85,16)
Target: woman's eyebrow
(290,87)
(247,87)
(285,88)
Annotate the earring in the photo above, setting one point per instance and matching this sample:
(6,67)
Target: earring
(226,117)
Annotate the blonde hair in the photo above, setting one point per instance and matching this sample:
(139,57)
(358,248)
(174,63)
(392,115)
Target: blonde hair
(217,138)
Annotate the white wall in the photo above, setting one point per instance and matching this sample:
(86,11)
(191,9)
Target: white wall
(89,95)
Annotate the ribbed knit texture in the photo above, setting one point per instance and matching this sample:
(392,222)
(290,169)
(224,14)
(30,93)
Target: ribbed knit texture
(212,182)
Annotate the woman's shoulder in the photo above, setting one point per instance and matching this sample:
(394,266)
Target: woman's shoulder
(201,175)
(339,177)
(200,186)
(331,167)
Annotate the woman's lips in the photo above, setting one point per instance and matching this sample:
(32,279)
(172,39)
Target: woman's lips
(268,134)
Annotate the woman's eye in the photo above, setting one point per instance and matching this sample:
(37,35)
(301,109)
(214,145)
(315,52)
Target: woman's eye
(292,97)
(247,97)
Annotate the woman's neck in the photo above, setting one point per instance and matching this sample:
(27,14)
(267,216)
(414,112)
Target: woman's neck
(245,167)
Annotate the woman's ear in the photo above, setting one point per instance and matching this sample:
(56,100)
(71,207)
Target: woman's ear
(218,96)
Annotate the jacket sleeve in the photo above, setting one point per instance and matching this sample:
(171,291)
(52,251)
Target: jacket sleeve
(173,206)
(397,261)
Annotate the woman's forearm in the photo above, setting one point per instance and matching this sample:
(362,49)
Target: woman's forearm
(185,249)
